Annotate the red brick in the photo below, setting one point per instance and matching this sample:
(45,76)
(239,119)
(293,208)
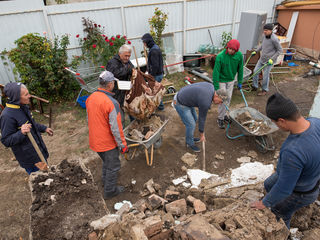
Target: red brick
(171,195)
(177,208)
(191,199)
(154,201)
(140,205)
(199,206)
(152,226)
(164,235)
(93,236)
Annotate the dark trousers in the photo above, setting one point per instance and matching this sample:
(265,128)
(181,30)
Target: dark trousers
(110,168)
(286,208)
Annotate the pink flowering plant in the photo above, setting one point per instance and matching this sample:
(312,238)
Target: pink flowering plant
(97,48)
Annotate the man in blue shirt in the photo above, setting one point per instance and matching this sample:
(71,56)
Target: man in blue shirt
(200,95)
(295,183)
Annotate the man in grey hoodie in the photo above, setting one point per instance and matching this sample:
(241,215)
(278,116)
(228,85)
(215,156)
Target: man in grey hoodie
(270,50)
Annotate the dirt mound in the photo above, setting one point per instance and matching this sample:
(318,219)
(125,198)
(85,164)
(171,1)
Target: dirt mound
(64,202)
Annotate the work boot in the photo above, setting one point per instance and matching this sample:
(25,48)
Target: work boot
(196,140)
(194,148)
(220,123)
(227,119)
(119,189)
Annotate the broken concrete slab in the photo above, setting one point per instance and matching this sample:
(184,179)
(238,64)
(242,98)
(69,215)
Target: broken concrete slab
(189,159)
(180,180)
(196,175)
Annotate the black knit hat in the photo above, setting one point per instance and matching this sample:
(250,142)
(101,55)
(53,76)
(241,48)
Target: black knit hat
(268,26)
(279,106)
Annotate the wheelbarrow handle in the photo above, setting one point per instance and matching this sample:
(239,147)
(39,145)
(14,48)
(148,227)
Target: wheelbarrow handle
(133,145)
(244,99)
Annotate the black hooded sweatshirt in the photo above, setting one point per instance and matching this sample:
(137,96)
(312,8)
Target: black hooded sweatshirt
(155,60)
(11,120)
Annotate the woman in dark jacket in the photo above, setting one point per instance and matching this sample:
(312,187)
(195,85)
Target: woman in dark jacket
(15,122)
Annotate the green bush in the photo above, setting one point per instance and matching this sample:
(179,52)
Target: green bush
(225,38)
(40,64)
(157,24)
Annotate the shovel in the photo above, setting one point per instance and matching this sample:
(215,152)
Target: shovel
(36,147)
(204,156)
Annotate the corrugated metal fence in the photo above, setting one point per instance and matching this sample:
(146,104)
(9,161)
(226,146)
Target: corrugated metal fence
(189,21)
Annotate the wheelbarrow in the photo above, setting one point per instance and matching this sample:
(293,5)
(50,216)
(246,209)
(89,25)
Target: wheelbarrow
(154,141)
(263,140)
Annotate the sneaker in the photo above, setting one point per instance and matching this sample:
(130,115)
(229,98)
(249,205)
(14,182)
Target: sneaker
(220,123)
(196,140)
(119,189)
(262,93)
(227,119)
(194,148)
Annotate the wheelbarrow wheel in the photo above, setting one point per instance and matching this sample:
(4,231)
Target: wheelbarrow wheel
(158,143)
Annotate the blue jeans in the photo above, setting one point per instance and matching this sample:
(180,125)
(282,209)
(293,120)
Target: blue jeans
(31,169)
(189,118)
(110,168)
(266,76)
(291,204)
(158,78)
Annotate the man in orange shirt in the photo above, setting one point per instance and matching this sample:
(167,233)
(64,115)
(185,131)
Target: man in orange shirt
(105,132)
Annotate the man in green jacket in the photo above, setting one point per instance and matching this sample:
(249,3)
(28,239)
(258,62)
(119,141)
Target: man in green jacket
(228,63)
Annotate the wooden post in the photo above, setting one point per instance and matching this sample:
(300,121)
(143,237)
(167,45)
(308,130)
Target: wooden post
(135,54)
(145,54)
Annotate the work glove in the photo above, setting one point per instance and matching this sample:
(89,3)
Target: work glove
(253,53)
(270,62)
(125,150)
(239,86)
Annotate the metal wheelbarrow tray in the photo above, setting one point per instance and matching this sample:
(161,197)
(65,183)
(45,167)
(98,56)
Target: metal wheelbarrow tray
(154,141)
(263,140)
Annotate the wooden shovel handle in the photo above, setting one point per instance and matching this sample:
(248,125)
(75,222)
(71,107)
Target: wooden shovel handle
(36,147)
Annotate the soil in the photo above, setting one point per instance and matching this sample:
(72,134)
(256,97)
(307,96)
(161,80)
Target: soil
(70,141)
(65,201)
(252,125)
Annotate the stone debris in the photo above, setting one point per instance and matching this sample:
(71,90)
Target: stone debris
(276,154)
(189,159)
(149,186)
(254,126)
(47,182)
(252,154)
(119,205)
(154,202)
(105,221)
(244,159)
(171,195)
(197,204)
(93,236)
(186,184)
(219,157)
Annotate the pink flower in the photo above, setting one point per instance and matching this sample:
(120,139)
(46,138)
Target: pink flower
(129,42)
(113,39)
(107,40)
(111,43)
(94,46)
(118,36)
(77,35)
(103,35)
(125,37)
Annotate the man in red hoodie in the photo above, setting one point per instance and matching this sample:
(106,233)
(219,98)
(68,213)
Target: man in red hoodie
(228,63)
(105,132)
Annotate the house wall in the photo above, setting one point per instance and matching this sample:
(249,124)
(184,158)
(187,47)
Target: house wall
(306,36)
